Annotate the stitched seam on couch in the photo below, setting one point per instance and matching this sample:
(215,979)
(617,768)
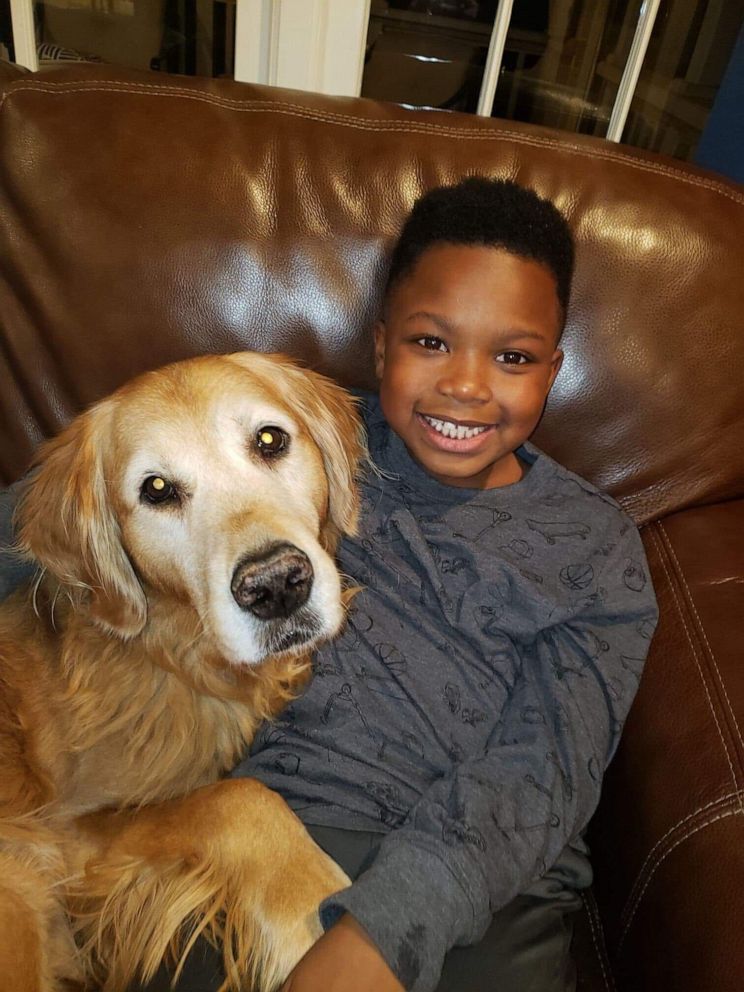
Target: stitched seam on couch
(664,558)
(597,932)
(733,798)
(701,631)
(737,811)
(709,809)
(296,110)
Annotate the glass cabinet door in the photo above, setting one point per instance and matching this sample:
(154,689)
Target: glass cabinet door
(194,37)
(434,52)
(565,63)
(427,54)
(686,60)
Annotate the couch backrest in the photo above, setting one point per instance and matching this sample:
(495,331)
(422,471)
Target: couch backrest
(145,218)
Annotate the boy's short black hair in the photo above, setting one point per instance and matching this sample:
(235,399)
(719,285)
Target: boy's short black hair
(496,213)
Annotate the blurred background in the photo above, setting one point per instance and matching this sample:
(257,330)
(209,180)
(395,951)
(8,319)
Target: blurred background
(663,75)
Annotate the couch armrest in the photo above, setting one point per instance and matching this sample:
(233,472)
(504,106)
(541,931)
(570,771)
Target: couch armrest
(668,839)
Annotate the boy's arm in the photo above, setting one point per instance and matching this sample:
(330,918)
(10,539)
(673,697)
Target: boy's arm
(480,835)
(345,958)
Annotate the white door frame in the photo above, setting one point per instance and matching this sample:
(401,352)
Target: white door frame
(24,36)
(303,44)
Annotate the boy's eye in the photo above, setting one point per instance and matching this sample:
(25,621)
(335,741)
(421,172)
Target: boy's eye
(512,358)
(432,343)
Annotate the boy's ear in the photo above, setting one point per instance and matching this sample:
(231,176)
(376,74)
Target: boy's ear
(379,348)
(556,362)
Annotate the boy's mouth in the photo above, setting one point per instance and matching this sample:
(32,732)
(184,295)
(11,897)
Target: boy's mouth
(454,435)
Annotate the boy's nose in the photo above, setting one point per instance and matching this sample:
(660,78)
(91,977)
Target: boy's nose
(465,382)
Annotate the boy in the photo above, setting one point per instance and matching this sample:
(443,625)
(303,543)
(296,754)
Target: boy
(449,749)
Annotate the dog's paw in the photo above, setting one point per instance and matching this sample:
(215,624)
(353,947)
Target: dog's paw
(290,921)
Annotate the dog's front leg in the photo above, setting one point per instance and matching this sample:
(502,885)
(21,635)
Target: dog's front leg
(229,861)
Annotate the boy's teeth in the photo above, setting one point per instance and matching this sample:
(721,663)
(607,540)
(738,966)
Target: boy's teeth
(457,431)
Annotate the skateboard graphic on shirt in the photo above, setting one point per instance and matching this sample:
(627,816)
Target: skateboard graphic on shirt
(555,530)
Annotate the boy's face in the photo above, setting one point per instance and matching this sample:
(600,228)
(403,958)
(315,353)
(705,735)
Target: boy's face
(466,355)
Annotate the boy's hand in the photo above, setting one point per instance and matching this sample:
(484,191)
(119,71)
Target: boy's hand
(343,960)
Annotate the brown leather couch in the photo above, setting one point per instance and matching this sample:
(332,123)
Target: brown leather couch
(145,218)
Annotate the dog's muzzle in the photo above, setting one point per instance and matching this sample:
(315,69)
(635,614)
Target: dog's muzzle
(273,584)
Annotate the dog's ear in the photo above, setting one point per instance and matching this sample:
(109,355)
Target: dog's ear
(332,418)
(67,525)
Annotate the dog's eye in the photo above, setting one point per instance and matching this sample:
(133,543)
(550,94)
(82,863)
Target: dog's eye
(156,489)
(271,441)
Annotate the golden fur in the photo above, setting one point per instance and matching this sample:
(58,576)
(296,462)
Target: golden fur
(131,679)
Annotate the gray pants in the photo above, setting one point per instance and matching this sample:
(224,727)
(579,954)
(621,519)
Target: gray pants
(527,948)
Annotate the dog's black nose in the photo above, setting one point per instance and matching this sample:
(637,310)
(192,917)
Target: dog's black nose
(274,583)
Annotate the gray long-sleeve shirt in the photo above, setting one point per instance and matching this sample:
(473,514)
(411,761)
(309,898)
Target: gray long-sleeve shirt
(474,700)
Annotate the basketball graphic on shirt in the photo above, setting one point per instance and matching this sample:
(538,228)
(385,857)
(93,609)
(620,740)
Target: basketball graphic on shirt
(578,576)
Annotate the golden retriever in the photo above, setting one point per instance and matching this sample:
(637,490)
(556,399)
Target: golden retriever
(184,530)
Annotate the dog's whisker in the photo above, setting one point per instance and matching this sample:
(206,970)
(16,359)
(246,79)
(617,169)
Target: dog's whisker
(54,603)
(35,591)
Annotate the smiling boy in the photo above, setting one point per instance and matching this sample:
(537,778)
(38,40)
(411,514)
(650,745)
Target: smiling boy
(459,729)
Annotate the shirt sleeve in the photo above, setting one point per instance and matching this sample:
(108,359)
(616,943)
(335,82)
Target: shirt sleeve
(483,833)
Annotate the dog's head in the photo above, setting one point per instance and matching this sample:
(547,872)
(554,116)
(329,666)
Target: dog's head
(223,483)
